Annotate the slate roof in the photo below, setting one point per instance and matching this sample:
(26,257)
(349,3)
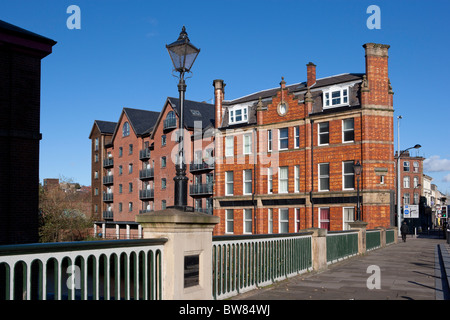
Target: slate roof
(142,121)
(106,127)
(323,82)
(195,111)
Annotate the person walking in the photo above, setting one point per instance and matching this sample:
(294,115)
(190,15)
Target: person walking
(404,231)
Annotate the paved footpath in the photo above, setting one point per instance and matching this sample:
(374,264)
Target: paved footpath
(408,271)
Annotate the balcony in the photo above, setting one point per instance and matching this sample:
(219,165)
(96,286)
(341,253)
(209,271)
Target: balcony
(201,189)
(170,123)
(108,180)
(108,215)
(198,167)
(107,197)
(108,163)
(144,154)
(146,194)
(146,174)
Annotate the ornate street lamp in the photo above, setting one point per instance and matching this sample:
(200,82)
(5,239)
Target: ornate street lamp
(357,168)
(417,146)
(183,54)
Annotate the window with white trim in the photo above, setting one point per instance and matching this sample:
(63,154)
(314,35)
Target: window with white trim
(406,182)
(348,130)
(296,137)
(248,143)
(296,178)
(248,221)
(269,140)
(349,216)
(324,133)
(283,139)
(229,146)
(297,219)
(324,218)
(269,180)
(283,180)
(270,221)
(229,183)
(348,175)
(335,97)
(238,115)
(283,220)
(406,166)
(247,181)
(415,166)
(229,221)
(324,176)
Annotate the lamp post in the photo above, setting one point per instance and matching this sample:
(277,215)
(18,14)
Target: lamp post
(357,168)
(417,146)
(183,54)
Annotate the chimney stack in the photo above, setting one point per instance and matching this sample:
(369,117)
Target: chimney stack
(219,94)
(311,74)
(377,73)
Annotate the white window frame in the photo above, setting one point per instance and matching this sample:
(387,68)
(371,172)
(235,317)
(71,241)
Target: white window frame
(406,198)
(322,133)
(323,176)
(344,175)
(246,220)
(329,216)
(228,182)
(247,182)
(297,178)
(229,146)
(348,130)
(406,167)
(416,166)
(229,218)
(270,221)
(283,180)
(270,180)
(345,222)
(283,221)
(232,113)
(343,92)
(296,137)
(269,140)
(286,138)
(297,219)
(247,143)
(406,182)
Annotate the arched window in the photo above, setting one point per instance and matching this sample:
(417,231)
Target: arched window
(126,129)
(170,115)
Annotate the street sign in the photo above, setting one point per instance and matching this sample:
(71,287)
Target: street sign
(414,211)
(406,211)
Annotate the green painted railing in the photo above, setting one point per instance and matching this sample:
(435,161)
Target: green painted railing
(243,263)
(373,240)
(341,245)
(390,236)
(91,270)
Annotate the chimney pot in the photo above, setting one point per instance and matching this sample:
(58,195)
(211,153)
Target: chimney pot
(310,74)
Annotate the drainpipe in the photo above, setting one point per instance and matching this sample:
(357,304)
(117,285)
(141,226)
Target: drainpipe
(312,174)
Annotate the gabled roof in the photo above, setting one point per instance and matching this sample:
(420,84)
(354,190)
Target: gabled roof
(141,121)
(298,87)
(193,111)
(105,127)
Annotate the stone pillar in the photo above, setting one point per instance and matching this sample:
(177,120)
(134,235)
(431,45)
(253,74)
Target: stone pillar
(319,248)
(382,236)
(117,231)
(103,230)
(361,226)
(187,255)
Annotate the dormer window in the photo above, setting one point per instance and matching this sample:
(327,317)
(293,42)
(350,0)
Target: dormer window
(335,97)
(238,115)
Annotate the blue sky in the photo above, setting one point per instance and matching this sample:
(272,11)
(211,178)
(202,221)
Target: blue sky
(118,59)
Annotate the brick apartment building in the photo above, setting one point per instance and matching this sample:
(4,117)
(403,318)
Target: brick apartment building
(133,164)
(285,156)
(411,178)
(21,52)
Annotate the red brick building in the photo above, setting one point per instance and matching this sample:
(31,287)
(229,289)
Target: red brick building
(285,156)
(21,52)
(137,162)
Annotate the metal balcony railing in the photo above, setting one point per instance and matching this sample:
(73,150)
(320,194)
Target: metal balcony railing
(144,154)
(170,123)
(201,166)
(107,163)
(204,210)
(146,174)
(108,214)
(146,194)
(201,189)
(108,197)
(108,179)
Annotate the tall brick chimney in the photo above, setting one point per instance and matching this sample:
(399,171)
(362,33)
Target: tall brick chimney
(377,74)
(311,74)
(219,94)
